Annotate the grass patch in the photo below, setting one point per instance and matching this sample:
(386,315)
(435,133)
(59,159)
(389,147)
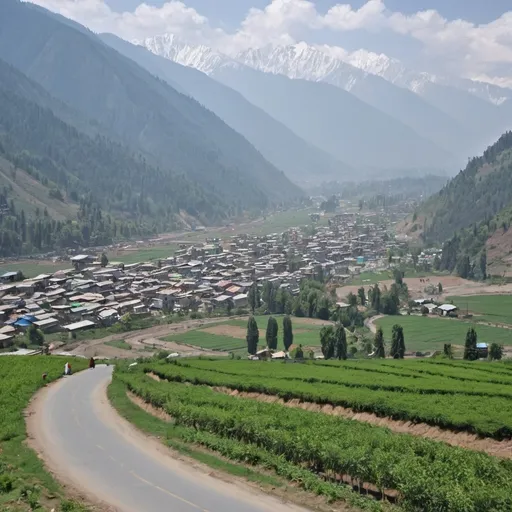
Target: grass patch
(119,344)
(34,268)
(427,333)
(306,334)
(208,341)
(174,435)
(487,308)
(158,252)
(23,477)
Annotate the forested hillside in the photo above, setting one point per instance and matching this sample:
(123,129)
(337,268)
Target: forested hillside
(56,181)
(131,106)
(473,208)
(477,193)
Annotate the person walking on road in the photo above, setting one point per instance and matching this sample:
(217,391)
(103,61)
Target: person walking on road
(92,363)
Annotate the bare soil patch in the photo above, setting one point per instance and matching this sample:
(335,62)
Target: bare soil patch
(144,341)
(311,321)
(501,449)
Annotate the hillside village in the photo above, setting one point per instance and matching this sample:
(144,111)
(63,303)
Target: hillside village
(205,277)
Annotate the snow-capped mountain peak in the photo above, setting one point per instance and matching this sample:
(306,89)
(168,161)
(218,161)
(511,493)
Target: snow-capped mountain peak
(301,61)
(171,47)
(318,63)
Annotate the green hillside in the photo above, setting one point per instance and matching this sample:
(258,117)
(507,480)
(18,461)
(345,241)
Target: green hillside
(173,131)
(60,187)
(477,193)
(471,215)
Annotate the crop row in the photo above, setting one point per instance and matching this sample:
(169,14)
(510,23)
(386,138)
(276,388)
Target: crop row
(417,368)
(428,476)
(485,416)
(353,377)
(246,453)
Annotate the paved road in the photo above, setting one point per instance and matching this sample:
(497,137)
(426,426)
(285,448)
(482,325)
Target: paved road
(89,446)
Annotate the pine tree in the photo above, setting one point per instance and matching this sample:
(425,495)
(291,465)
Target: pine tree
(327,341)
(287,332)
(253,336)
(376,296)
(340,342)
(470,352)
(271,334)
(397,342)
(362,296)
(483,264)
(254,297)
(379,343)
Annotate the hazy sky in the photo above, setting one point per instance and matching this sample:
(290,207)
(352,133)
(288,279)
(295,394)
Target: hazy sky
(232,12)
(470,38)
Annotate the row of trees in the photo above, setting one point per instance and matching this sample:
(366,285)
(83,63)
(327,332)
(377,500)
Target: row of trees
(271,335)
(397,350)
(333,341)
(312,301)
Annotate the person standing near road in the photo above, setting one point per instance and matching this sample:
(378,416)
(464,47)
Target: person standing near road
(67,369)
(92,363)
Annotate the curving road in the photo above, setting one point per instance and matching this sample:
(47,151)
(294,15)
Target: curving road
(87,445)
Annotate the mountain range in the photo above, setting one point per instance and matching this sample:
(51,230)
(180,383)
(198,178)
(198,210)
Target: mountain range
(329,117)
(300,160)
(460,117)
(94,148)
(168,128)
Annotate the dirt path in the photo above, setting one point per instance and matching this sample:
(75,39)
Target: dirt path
(462,439)
(112,449)
(145,340)
(370,322)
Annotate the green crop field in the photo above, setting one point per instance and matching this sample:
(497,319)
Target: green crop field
(209,341)
(32,268)
(24,483)
(430,333)
(302,445)
(487,308)
(306,334)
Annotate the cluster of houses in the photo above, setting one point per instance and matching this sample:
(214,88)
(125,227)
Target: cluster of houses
(201,277)
(437,309)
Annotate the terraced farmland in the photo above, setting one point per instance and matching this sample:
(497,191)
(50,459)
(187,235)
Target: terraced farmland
(322,451)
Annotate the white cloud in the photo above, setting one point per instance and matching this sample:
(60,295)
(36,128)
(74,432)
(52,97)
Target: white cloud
(280,23)
(457,45)
(146,20)
(342,17)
